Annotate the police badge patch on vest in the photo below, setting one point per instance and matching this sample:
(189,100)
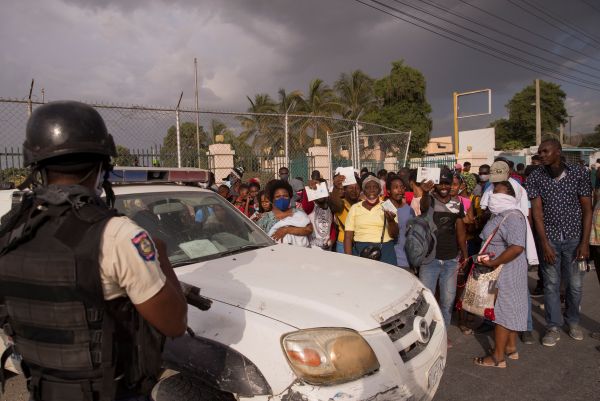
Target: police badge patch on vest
(144,246)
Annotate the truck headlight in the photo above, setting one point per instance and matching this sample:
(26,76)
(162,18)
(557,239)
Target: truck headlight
(327,356)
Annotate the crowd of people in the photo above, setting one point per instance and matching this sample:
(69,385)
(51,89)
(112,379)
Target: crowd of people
(541,216)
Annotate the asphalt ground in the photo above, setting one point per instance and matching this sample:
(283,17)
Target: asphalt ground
(570,371)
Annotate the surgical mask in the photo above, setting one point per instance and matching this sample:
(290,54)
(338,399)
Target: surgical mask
(372,202)
(484,177)
(499,203)
(282,204)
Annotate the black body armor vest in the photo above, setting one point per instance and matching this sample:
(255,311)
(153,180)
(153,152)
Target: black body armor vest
(75,345)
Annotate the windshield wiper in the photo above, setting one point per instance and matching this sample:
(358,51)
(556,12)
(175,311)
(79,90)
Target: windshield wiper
(241,249)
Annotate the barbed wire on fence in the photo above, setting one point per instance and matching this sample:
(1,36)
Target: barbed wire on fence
(261,143)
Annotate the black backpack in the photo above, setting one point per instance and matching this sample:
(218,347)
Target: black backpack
(420,239)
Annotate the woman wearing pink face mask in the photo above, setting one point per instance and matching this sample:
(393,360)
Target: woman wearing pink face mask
(368,224)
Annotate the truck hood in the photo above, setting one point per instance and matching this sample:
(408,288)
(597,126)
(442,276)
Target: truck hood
(305,288)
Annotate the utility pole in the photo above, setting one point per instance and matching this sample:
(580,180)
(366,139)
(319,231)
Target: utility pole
(561,137)
(538,114)
(570,127)
(197,111)
(455,108)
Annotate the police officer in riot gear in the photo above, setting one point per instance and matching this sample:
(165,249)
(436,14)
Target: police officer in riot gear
(84,295)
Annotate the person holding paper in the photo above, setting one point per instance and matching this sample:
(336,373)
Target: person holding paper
(451,246)
(322,220)
(368,224)
(396,190)
(341,199)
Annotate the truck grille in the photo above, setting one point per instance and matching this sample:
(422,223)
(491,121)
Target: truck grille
(401,324)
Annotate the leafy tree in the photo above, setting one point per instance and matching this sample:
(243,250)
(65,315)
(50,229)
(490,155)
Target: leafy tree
(124,157)
(520,125)
(403,104)
(592,140)
(189,158)
(356,94)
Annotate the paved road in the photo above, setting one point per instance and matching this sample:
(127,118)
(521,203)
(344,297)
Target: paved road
(570,371)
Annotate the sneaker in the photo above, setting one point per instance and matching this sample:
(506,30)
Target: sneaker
(537,292)
(575,333)
(526,337)
(551,337)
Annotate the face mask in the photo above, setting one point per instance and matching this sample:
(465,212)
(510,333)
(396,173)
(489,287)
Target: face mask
(373,202)
(499,203)
(484,177)
(284,177)
(282,204)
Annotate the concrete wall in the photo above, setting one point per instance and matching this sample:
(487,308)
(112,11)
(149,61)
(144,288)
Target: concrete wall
(477,141)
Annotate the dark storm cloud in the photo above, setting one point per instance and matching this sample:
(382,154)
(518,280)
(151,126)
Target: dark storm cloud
(142,51)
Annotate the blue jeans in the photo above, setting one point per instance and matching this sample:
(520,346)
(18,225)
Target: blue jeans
(339,247)
(573,280)
(445,271)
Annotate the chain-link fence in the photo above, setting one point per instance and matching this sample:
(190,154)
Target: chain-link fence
(219,141)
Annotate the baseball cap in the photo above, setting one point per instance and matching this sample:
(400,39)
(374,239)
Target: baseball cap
(445,176)
(499,171)
(458,166)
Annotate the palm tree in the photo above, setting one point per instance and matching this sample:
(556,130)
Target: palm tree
(356,94)
(256,127)
(319,102)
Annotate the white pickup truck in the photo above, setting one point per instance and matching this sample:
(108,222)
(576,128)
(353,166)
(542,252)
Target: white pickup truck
(286,323)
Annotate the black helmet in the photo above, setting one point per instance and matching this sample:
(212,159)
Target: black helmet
(65,128)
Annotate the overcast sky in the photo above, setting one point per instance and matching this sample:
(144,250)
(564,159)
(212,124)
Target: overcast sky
(142,51)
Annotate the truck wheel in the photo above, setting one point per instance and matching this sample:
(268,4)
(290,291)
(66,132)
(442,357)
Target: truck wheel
(179,387)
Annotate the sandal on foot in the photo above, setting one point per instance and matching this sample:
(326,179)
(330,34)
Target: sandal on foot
(467,331)
(496,364)
(510,355)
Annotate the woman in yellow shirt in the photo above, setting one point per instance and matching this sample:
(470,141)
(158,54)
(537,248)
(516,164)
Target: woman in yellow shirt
(367,222)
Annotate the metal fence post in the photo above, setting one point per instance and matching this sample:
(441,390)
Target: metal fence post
(407,146)
(286,140)
(178,137)
(330,159)
(356,147)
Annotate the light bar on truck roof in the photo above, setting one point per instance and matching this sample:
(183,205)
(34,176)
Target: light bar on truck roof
(130,175)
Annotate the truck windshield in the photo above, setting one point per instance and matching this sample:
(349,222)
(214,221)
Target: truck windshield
(195,226)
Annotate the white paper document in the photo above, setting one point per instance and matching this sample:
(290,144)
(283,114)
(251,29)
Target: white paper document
(347,172)
(198,248)
(389,206)
(428,174)
(320,192)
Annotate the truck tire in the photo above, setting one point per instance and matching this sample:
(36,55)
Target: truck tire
(180,387)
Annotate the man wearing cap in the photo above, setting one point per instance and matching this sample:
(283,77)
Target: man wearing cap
(235,180)
(561,200)
(451,244)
